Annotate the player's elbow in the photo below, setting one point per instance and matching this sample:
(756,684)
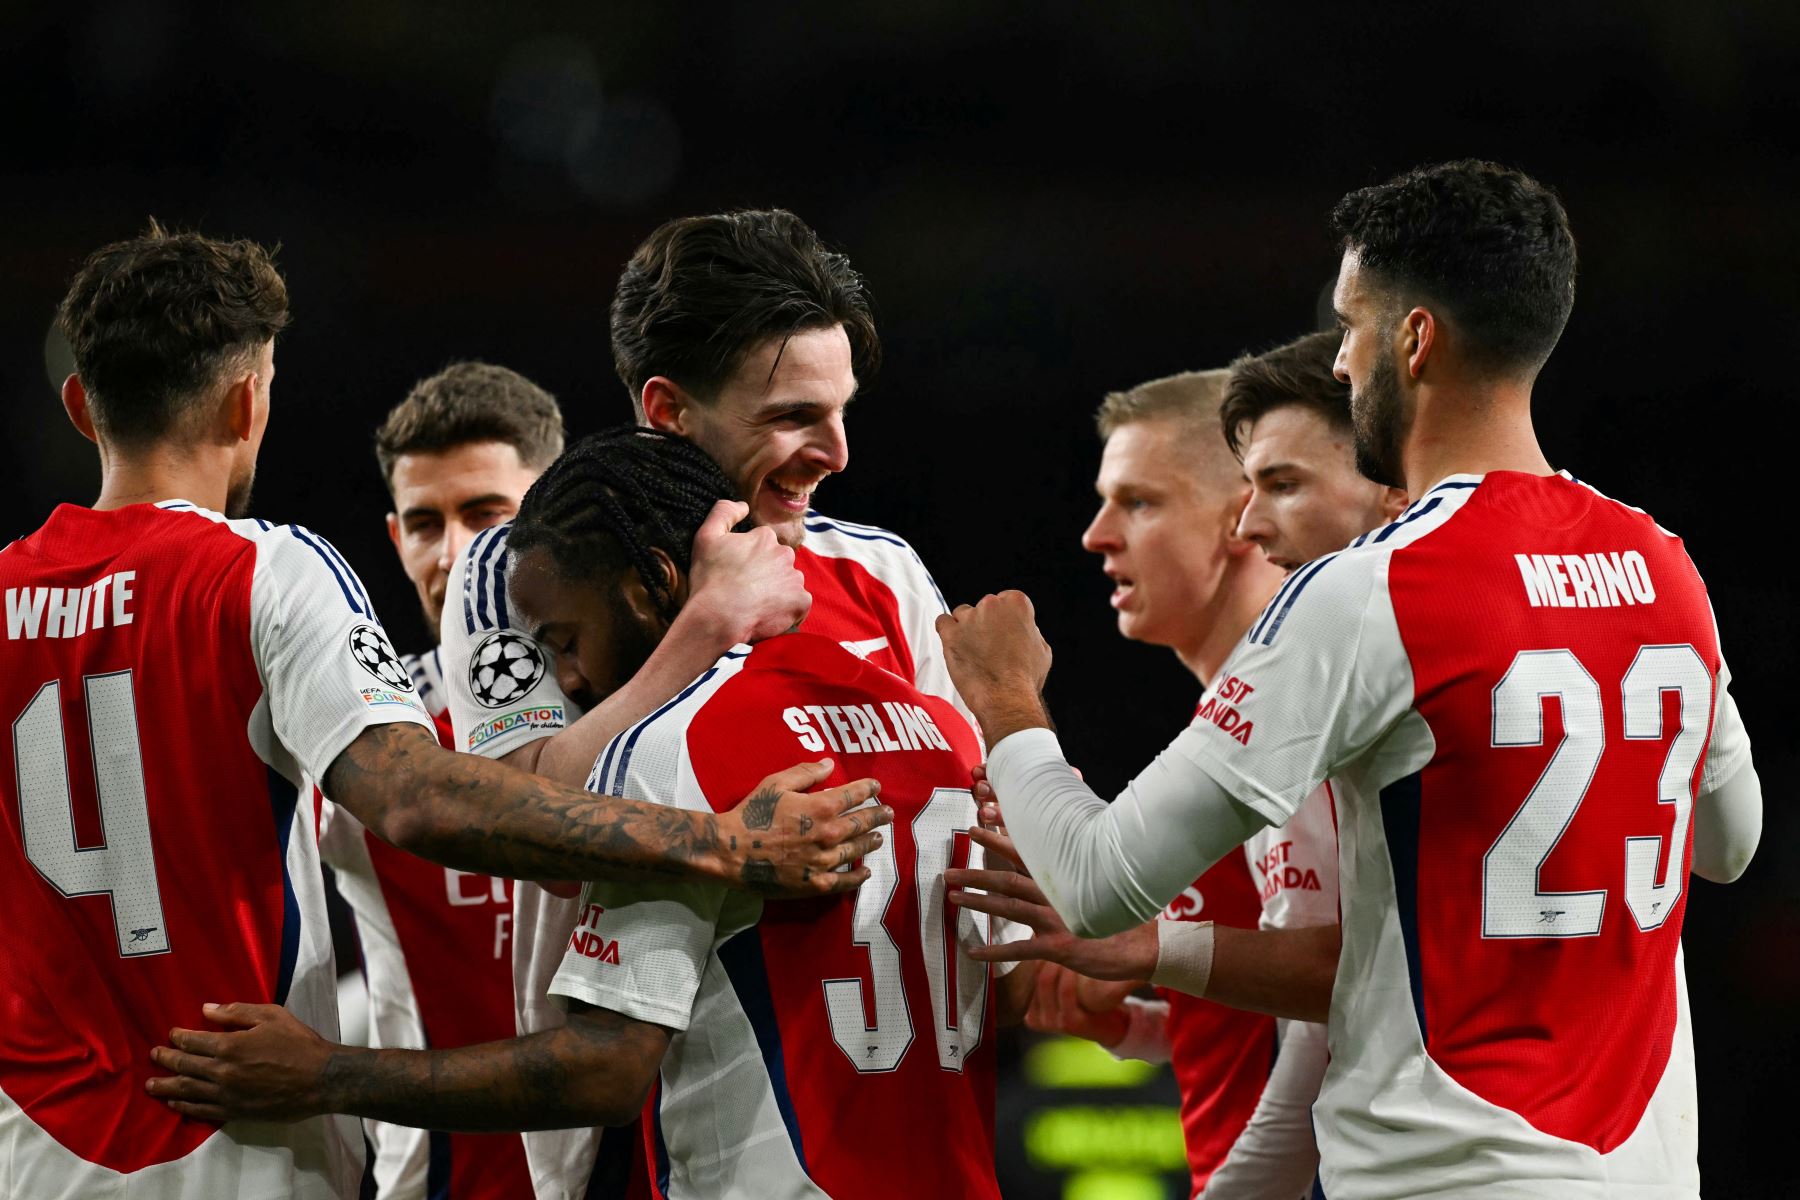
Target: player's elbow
(1726,864)
(409,827)
(1097,921)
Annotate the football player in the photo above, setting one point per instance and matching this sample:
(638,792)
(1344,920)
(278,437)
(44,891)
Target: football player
(457,455)
(1517,690)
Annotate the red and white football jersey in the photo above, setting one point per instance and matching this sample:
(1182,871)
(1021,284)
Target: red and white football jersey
(871,594)
(834,1047)
(175,685)
(1517,691)
(437,956)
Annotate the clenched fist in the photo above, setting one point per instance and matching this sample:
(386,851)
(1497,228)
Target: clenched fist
(998,661)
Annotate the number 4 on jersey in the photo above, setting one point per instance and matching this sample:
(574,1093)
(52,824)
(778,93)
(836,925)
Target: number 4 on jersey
(122,867)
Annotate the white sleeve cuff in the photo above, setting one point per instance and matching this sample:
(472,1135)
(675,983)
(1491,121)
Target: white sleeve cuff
(1147,1034)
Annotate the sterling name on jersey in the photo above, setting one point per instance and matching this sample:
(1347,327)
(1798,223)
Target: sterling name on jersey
(1517,691)
(840,1047)
(870,593)
(175,684)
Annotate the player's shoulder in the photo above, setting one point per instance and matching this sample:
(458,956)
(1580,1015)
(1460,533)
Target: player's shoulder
(477,581)
(835,538)
(640,760)
(290,555)
(882,552)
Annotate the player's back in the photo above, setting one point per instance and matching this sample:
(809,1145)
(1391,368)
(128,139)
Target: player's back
(837,1047)
(156,860)
(1528,824)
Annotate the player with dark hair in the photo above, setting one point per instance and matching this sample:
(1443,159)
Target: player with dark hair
(1517,691)
(745,334)
(1287,418)
(794,1043)
(178,682)
(457,455)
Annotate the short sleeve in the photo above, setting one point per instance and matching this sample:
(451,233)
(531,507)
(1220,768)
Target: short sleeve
(500,684)
(1729,748)
(1295,866)
(329,671)
(640,949)
(1317,680)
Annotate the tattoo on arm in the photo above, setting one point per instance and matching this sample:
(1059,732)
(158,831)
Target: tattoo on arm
(594,1070)
(467,812)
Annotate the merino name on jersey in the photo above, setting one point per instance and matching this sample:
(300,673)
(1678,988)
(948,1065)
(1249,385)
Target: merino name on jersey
(862,728)
(1603,580)
(69,612)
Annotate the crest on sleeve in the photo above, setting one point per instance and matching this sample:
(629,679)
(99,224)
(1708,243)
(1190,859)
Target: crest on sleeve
(505,667)
(370,647)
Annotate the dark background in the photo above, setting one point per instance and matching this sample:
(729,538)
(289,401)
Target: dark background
(1049,202)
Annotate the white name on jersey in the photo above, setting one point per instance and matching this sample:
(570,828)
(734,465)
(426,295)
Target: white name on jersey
(864,728)
(69,612)
(1605,580)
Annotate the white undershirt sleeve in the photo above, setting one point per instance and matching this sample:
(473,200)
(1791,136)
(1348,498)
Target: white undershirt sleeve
(1276,1155)
(1106,867)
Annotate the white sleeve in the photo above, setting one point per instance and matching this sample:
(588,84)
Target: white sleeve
(640,949)
(1295,866)
(328,669)
(1106,867)
(1277,1155)
(500,685)
(1729,748)
(1318,679)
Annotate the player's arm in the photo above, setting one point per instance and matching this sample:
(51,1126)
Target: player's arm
(1728,812)
(1280,972)
(743,587)
(467,812)
(596,1070)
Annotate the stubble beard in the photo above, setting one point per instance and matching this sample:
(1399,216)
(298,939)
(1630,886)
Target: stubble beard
(237,496)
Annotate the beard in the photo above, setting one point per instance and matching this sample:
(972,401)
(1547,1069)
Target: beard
(1378,425)
(237,495)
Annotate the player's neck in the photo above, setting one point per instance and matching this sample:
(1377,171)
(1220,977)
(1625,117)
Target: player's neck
(159,473)
(1471,432)
(1250,580)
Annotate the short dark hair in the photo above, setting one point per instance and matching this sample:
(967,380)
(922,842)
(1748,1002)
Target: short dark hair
(612,498)
(155,320)
(1489,243)
(472,402)
(701,292)
(1297,375)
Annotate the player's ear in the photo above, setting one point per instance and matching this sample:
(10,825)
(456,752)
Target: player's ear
(642,606)
(239,407)
(1418,337)
(664,405)
(1393,502)
(74,398)
(393,528)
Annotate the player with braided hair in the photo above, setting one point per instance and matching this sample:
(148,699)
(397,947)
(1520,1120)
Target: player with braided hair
(744,334)
(637,488)
(774,1080)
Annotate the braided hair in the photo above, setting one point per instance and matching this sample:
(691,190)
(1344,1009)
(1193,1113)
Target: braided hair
(615,496)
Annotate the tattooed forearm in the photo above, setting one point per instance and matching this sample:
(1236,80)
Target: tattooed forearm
(473,814)
(594,1071)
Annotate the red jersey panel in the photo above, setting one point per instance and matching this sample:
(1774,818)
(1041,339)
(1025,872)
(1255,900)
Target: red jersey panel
(805,1025)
